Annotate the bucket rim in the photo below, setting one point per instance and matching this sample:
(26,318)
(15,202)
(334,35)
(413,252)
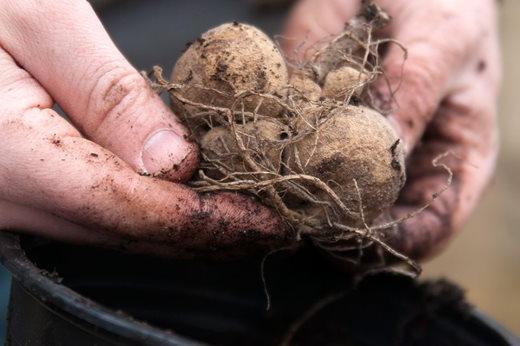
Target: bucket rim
(67,301)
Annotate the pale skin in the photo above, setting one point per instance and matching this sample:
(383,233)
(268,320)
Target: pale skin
(83,182)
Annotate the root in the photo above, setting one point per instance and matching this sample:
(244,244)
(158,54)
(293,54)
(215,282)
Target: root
(307,315)
(263,276)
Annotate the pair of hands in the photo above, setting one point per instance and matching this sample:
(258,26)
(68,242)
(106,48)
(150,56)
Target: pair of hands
(83,183)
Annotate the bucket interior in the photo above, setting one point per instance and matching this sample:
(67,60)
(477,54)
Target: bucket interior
(225,304)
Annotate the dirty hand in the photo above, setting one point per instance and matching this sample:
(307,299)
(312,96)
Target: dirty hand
(446,101)
(80,183)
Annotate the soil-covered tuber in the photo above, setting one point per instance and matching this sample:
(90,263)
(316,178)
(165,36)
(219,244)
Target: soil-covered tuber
(226,67)
(262,138)
(351,143)
(302,86)
(344,82)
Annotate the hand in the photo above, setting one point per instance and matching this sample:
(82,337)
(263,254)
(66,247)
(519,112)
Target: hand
(446,101)
(80,183)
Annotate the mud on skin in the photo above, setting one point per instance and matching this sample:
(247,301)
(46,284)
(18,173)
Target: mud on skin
(213,228)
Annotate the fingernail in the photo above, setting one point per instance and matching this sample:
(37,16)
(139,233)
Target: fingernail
(164,151)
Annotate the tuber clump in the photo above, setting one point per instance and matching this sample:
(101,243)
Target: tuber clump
(310,146)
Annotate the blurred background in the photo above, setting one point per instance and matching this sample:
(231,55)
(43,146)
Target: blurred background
(484,256)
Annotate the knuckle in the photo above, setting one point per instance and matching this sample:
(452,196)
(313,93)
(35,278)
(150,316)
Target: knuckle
(422,79)
(113,93)
(18,89)
(415,86)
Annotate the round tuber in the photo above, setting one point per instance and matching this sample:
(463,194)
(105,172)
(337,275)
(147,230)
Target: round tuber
(226,67)
(352,143)
(344,82)
(302,86)
(263,139)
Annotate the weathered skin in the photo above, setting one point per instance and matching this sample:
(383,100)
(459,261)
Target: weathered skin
(446,101)
(80,183)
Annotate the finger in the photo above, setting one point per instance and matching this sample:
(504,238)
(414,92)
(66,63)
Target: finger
(36,222)
(77,180)
(65,47)
(465,128)
(312,21)
(22,219)
(46,165)
(415,86)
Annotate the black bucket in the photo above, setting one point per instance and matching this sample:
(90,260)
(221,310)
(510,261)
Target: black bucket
(67,295)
